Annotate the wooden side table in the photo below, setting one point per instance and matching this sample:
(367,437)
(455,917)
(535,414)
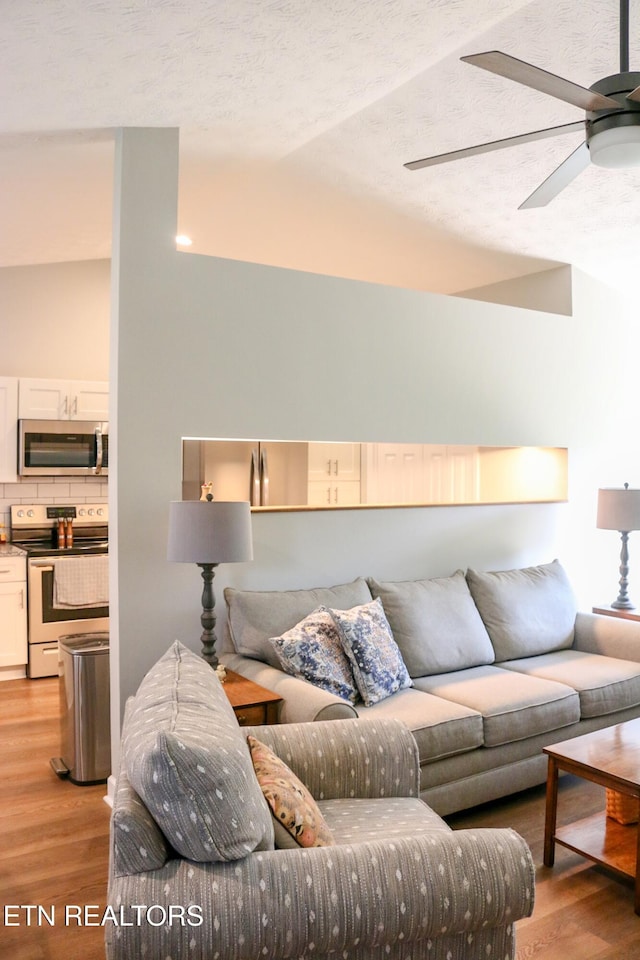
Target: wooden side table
(612,612)
(252,704)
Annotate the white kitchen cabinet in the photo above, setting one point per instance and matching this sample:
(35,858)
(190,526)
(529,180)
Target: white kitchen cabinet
(8,429)
(13,614)
(324,493)
(63,399)
(393,473)
(334,474)
(334,461)
(451,474)
(420,473)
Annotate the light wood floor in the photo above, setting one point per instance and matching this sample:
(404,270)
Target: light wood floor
(54,836)
(54,852)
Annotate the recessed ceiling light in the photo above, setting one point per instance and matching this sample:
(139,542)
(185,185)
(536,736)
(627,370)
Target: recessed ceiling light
(183,240)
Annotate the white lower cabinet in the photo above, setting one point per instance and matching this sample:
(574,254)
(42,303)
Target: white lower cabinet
(13,613)
(323,493)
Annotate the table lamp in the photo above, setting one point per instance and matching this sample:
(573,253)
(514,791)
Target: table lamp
(209,532)
(619,509)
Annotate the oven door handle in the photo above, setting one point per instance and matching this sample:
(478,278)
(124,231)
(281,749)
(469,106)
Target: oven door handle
(41,564)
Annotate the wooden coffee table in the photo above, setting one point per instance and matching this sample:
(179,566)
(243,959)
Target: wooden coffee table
(610,757)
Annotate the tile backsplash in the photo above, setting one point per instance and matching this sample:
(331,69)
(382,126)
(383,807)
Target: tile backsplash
(50,490)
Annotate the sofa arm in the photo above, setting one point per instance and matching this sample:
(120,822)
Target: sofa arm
(609,636)
(348,758)
(302,701)
(324,900)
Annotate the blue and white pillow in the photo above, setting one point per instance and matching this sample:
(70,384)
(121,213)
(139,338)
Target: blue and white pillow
(312,650)
(376,661)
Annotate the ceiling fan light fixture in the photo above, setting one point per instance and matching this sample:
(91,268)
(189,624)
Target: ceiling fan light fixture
(616,148)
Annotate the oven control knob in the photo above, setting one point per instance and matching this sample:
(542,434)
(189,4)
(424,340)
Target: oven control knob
(30,513)
(20,513)
(91,511)
(81,512)
(99,511)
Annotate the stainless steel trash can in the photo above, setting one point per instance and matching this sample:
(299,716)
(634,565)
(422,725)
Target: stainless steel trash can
(85,721)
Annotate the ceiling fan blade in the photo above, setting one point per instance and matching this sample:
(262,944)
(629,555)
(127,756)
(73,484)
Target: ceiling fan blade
(634,95)
(574,127)
(561,177)
(506,66)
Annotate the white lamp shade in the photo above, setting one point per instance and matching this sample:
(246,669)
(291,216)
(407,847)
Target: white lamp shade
(214,531)
(618,509)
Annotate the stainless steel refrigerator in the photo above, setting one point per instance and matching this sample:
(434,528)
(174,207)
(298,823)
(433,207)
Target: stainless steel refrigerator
(266,473)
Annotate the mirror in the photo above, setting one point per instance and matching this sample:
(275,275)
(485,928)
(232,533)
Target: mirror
(300,475)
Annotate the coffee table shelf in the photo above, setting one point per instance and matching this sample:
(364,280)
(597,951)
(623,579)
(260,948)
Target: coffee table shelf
(603,840)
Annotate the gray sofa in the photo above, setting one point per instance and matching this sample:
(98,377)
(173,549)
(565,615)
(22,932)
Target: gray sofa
(501,664)
(195,873)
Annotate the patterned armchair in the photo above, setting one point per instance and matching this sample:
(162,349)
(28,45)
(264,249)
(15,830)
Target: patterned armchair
(396,883)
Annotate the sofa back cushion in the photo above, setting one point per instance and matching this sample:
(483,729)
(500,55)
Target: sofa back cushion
(186,757)
(257,615)
(528,611)
(435,624)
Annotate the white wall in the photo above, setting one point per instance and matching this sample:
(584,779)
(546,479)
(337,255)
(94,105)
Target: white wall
(54,320)
(212,347)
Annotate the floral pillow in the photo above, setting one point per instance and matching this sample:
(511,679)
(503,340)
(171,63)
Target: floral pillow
(376,661)
(313,651)
(292,806)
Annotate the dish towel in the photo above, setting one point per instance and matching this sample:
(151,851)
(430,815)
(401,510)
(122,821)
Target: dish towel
(81,582)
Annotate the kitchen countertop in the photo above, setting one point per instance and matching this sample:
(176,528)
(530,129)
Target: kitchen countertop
(9,550)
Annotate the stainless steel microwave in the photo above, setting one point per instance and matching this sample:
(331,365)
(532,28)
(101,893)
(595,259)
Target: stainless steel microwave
(54,448)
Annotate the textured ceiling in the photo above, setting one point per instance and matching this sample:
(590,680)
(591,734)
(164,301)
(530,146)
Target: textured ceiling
(334,94)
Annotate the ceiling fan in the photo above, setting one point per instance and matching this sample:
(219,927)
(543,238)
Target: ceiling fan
(611,124)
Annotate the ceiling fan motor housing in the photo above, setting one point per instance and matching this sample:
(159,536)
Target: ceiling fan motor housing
(598,121)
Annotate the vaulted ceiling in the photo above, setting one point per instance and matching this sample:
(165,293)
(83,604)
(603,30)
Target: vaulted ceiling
(296,117)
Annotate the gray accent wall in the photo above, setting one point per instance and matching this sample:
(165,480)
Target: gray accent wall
(211,347)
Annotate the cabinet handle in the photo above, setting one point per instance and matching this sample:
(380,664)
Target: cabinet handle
(65,408)
(335,495)
(329,495)
(74,408)
(4,571)
(329,467)
(336,470)
(22,599)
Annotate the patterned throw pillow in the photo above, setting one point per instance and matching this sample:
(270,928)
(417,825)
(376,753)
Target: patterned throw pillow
(377,663)
(292,806)
(312,650)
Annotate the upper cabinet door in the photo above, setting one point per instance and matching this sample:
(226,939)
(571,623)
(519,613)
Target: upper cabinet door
(8,429)
(334,461)
(89,399)
(63,399)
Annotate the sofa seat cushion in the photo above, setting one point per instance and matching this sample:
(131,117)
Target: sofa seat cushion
(604,684)
(513,706)
(439,727)
(187,759)
(257,615)
(435,623)
(526,611)
(357,820)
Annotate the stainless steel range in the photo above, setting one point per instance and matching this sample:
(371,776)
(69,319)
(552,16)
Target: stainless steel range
(67,576)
